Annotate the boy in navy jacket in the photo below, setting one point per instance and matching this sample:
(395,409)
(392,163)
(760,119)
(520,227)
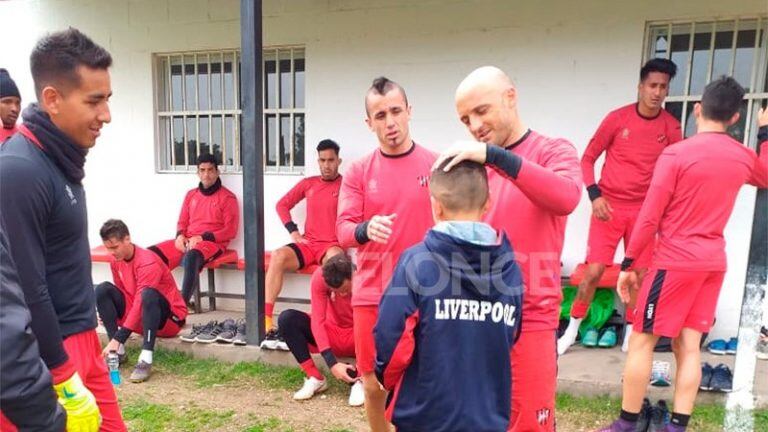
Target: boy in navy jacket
(450,316)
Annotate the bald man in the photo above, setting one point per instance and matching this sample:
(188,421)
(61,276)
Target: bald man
(535,182)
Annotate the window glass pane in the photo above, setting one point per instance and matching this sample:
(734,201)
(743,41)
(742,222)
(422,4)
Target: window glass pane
(216,132)
(285,78)
(271,134)
(270,91)
(162,84)
(745,54)
(690,120)
(721,61)
(699,67)
(203,80)
(738,129)
(298,83)
(190,102)
(205,131)
(681,35)
(298,140)
(675,108)
(216,98)
(166,141)
(176,95)
(659,42)
(229,144)
(191,141)
(285,140)
(178,140)
(229,83)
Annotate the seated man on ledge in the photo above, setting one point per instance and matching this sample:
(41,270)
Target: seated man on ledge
(208,222)
(318,243)
(328,330)
(143,298)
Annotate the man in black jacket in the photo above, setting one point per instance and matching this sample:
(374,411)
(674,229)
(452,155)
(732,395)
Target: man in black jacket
(42,204)
(26,395)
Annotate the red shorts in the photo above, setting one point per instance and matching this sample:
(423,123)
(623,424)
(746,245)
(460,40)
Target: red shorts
(671,300)
(341,340)
(534,380)
(364,318)
(604,236)
(310,253)
(172,256)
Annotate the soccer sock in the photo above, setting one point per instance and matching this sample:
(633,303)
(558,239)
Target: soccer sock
(269,309)
(679,421)
(145,356)
(579,309)
(309,368)
(627,334)
(569,337)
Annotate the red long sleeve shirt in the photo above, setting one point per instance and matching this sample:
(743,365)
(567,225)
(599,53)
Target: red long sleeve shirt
(532,209)
(691,198)
(214,216)
(382,185)
(145,270)
(322,202)
(632,144)
(328,309)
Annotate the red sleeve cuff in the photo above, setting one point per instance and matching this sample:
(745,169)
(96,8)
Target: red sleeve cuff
(63,372)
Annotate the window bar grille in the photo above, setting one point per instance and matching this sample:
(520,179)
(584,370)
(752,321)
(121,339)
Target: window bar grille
(686,85)
(223,107)
(711,62)
(170,107)
(279,101)
(197,107)
(185,107)
(210,104)
(236,118)
(292,105)
(733,47)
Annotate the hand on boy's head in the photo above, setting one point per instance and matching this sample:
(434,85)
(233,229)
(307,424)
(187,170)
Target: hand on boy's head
(460,151)
(380,228)
(762,117)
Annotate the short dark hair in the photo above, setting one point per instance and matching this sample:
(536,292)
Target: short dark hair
(328,144)
(57,56)
(658,65)
(383,85)
(114,228)
(337,269)
(721,99)
(207,158)
(463,188)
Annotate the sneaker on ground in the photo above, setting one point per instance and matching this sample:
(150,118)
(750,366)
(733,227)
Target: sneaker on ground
(660,374)
(659,417)
(609,338)
(141,372)
(311,386)
(706,377)
(228,330)
(722,379)
(240,335)
(645,416)
(590,338)
(270,340)
(209,333)
(717,346)
(191,335)
(732,346)
(281,345)
(356,394)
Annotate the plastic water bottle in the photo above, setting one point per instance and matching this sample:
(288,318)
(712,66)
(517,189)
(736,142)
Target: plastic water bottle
(113,362)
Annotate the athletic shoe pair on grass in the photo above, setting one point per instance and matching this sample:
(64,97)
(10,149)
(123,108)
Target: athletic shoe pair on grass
(605,338)
(652,418)
(312,386)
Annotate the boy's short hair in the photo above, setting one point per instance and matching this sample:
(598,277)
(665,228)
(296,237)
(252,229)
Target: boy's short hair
(337,269)
(721,99)
(114,229)
(328,144)
(658,65)
(463,188)
(207,158)
(381,86)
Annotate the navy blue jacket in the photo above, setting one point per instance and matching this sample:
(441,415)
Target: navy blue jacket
(46,223)
(446,324)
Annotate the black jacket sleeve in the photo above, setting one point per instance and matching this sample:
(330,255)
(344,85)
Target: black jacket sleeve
(25,204)
(26,392)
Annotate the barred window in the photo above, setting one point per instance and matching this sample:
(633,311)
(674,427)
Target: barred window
(706,50)
(198,109)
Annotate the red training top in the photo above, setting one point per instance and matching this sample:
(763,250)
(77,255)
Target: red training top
(379,184)
(532,209)
(145,270)
(328,310)
(691,197)
(322,202)
(211,213)
(632,144)
(6,133)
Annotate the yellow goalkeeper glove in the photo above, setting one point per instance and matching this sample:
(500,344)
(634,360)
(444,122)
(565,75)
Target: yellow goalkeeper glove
(80,405)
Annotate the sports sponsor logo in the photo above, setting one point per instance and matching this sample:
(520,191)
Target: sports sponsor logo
(542,416)
(649,311)
(625,133)
(423,180)
(68,190)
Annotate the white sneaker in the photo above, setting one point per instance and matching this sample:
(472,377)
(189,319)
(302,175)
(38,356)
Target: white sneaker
(357,394)
(311,386)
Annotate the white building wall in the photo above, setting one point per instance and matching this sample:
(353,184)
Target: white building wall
(572,61)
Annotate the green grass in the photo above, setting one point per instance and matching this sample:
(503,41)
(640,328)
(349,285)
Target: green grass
(144,416)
